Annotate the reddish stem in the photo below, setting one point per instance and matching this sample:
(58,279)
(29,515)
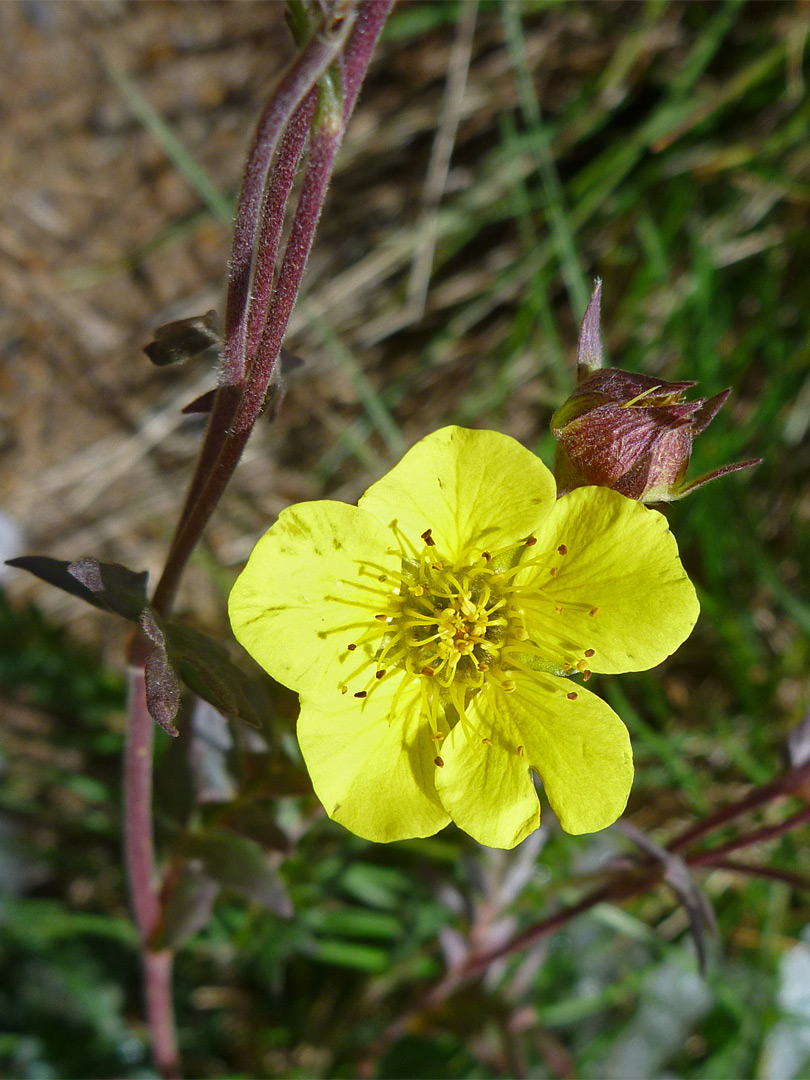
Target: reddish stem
(157,968)
(272,220)
(780,785)
(771,873)
(323,150)
(139,858)
(760,836)
(312,62)
(138,843)
(357,55)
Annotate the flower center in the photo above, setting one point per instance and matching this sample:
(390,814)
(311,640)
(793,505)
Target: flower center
(460,626)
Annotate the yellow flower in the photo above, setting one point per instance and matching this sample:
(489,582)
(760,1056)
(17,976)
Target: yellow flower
(431,631)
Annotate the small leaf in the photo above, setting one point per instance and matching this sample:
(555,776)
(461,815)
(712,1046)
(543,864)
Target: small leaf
(211,741)
(202,404)
(255,821)
(108,586)
(274,776)
(187,906)
(589,349)
(238,863)
(206,668)
(184,339)
(163,688)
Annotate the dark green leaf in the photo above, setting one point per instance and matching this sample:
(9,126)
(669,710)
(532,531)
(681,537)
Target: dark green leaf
(238,863)
(255,821)
(108,586)
(182,340)
(206,668)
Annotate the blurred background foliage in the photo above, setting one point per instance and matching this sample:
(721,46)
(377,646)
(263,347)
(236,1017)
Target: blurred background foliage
(661,145)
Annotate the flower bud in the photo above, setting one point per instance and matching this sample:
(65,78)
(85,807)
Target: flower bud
(629,432)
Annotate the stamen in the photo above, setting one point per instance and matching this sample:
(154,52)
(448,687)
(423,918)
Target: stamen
(428,538)
(562,550)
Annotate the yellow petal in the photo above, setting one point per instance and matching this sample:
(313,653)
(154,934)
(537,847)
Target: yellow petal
(476,491)
(619,589)
(371,760)
(577,745)
(311,589)
(485,784)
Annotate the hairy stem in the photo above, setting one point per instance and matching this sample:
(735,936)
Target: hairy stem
(317,55)
(241,399)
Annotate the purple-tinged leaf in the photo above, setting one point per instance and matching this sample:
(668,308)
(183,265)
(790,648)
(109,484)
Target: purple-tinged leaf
(679,879)
(108,586)
(254,820)
(187,906)
(589,349)
(163,688)
(184,339)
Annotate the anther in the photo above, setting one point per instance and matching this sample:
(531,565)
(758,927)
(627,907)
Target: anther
(590,652)
(586,675)
(381,618)
(572,696)
(379,674)
(581,665)
(553,571)
(486,555)
(428,538)
(558,610)
(351,648)
(487,742)
(532,540)
(562,550)
(593,611)
(428,671)
(566,666)
(521,752)
(438,761)
(361,693)
(344,689)
(437,736)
